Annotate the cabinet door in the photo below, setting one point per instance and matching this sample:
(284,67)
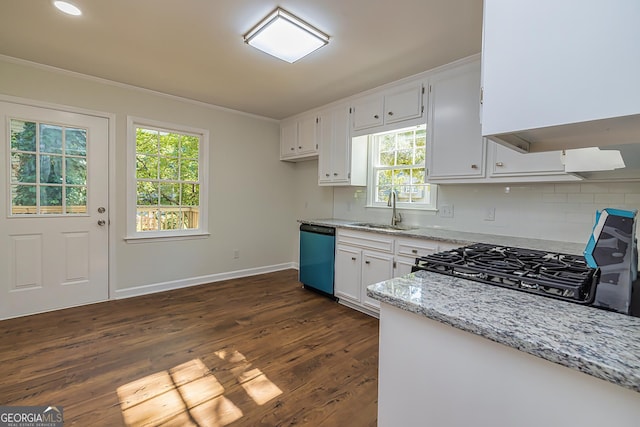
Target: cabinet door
(334,162)
(307,135)
(506,161)
(403,103)
(376,267)
(457,149)
(566,73)
(368,112)
(347,273)
(288,138)
(403,266)
(325,148)
(341,156)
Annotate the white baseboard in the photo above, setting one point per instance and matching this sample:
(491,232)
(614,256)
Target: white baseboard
(201,280)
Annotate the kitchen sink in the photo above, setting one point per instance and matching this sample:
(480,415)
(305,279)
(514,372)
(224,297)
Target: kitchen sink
(387,227)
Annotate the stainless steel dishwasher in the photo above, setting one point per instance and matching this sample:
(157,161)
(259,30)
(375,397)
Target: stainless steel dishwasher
(317,258)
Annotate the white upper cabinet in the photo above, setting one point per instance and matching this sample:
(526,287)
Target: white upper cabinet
(383,110)
(307,136)
(561,74)
(505,161)
(403,103)
(288,138)
(368,112)
(340,162)
(456,150)
(455,146)
(298,138)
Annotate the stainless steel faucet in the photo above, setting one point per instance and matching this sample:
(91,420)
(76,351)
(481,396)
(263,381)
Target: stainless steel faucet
(396,217)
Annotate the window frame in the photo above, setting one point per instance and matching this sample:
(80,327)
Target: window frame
(133,234)
(371,175)
(38,184)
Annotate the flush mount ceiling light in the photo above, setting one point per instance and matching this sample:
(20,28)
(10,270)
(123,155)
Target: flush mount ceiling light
(286,37)
(67,8)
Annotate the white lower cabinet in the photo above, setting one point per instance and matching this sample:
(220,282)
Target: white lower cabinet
(364,258)
(407,250)
(348,272)
(376,267)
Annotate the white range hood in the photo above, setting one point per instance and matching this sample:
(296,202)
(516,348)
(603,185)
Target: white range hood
(610,163)
(613,131)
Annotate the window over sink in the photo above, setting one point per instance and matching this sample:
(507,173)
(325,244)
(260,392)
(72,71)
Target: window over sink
(397,163)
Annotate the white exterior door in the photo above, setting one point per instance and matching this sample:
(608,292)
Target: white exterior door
(54,213)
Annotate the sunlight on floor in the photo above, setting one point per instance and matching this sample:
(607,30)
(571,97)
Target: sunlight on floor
(190,395)
(253,381)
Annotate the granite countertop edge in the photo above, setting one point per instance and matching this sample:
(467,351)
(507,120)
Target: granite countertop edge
(487,311)
(461,238)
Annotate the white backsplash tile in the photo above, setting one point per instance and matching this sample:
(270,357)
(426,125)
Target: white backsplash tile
(544,211)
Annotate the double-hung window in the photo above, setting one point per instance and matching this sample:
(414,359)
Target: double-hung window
(397,163)
(167,180)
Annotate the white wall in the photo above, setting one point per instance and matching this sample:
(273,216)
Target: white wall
(251,192)
(562,212)
(255,199)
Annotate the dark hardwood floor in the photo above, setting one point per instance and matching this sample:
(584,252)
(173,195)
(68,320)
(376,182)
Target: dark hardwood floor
(258,351)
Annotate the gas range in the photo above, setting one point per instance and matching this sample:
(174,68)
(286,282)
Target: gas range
(561,276)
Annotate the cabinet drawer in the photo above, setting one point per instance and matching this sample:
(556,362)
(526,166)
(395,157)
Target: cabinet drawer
(365,240)
(415,248)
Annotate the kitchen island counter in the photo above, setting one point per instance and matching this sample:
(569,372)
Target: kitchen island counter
(427,313)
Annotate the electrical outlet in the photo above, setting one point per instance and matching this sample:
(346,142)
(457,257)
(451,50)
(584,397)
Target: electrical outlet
(490,214)
(446,211)
(236,253)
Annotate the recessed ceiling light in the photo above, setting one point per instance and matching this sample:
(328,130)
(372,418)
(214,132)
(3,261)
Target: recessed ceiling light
(67,8)
(285,36)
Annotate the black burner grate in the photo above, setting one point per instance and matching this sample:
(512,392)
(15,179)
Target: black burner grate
(556,275)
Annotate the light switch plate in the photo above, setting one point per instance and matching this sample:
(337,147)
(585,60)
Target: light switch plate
(446,211)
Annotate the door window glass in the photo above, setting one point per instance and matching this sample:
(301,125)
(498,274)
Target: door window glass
(48,164)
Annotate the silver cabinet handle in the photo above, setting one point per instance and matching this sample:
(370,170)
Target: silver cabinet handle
(376,116)
(499,164)
(474,166)
(353,258)
(327,175)
(335,174)
(367,262)
(390,113)
(101,209)
(414,251)
(101,222)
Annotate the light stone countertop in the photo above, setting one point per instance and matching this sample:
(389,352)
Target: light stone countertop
(603,344)
(462,238)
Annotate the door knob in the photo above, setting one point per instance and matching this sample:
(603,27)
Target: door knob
(101,222)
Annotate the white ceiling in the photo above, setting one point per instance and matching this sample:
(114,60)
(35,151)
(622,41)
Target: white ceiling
(194,48)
